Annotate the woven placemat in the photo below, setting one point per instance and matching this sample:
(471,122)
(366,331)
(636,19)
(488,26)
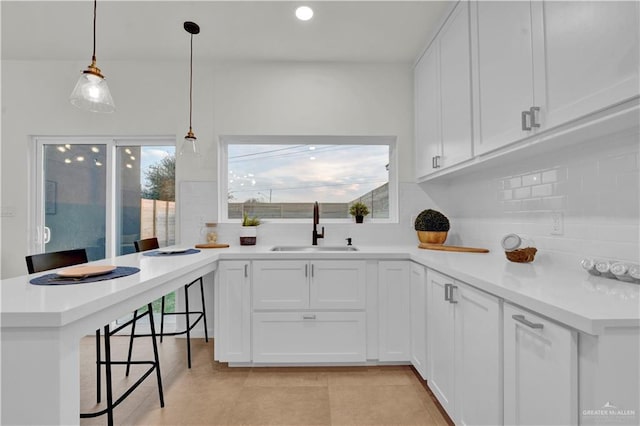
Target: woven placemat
(161,254)
(55,279)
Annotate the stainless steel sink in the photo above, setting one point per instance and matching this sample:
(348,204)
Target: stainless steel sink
(314,248)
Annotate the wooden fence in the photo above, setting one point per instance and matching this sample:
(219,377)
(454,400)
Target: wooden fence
(158,219)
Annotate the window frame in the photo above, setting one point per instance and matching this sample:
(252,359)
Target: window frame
(223,169)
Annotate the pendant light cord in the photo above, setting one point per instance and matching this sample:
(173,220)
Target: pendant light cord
(95,6)
(191,83)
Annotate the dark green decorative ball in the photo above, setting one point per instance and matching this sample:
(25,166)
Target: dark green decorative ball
(432,220)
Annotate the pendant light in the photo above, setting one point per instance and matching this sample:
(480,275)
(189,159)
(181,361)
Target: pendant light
(91,91)
(189,146)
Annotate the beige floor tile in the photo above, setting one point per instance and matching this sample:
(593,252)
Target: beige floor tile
(377,405)
(212,393)
(258,405)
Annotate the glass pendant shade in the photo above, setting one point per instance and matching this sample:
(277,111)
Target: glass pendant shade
(92,93)
(189,146)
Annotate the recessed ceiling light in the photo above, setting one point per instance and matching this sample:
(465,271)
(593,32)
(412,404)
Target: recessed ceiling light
(67,160)
(95,149)
(79,158)
(304,13)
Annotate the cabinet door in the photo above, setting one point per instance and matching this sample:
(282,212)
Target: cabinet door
(419,319)
(503,53)
(337,284)
(441,348)
(591,56)
(540,370)
(233,303)
(455,87)
(290,337)
(393,307)
(281,284)
(478,368)
(427,112)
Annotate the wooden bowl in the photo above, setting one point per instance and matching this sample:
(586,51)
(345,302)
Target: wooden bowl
(432,237)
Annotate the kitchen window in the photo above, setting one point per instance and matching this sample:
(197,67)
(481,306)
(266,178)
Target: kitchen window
(278,178)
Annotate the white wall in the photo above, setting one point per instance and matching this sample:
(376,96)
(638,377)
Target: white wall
(594,184)
(152,99)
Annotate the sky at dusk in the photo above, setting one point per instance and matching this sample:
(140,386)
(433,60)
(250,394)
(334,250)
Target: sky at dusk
(305,173)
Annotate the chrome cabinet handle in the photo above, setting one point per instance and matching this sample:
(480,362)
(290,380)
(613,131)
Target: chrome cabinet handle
(451,293)
(521,319)
(306,270)
(525,124)
(246,270)
(446,292)
(435,162)
(309,317)
(532,112)
(312,270)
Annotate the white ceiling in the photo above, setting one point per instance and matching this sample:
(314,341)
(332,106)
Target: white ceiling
(360,31)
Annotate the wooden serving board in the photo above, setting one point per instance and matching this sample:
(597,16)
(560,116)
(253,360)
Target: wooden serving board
(212,245)
(452,248)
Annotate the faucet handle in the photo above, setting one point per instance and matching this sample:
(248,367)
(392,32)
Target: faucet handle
(348,241)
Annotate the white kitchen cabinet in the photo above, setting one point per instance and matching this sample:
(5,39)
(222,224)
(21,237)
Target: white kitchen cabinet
(303,337)
(302,284)
(591,57)
(281,284)
(419,319)
(441,332)
(394,324)
(464,350)
(337,284)
(478,367)
(505,89)
(455,88)
(443,97)
(233,312)
(540,370)
(427,113)
(309,311)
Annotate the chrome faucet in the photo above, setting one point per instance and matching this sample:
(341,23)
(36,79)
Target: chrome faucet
(316,221)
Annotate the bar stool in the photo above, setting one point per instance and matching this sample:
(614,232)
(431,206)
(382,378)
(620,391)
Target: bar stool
(60,259)
(152,244)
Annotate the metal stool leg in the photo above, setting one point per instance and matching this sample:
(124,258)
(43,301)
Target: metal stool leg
(107,358)
(204,312)
(131,337)
(155,355)
(162,319)
(98,368)
(186,304)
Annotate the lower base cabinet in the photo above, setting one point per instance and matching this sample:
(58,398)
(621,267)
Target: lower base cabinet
(540,370)
(464,350)
(304,337)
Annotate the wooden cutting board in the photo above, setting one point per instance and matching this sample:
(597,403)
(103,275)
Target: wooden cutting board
(212,245)
(452,248)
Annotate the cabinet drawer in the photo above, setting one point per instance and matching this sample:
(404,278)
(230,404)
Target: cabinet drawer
(297,337)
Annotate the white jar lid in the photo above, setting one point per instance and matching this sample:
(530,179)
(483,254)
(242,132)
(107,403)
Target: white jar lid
(511,242)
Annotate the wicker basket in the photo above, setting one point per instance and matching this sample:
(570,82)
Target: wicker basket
(522,255)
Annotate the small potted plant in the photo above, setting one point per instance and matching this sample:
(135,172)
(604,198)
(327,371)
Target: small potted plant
(249,230)
(432,227)
(359,210)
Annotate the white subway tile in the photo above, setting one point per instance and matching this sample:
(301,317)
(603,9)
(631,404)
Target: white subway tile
(550,176)
(521,193)
(532,179)
(515,182)
(542,190)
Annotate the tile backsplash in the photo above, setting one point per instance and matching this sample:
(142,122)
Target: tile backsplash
(593,186)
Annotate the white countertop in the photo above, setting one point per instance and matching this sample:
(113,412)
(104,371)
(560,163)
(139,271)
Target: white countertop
(557,289)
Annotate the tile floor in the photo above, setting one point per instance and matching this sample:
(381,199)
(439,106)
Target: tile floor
(211,393)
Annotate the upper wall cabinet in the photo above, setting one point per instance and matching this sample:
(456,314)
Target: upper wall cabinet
(538,65)
(443,97)
(535,68)
(503,53)
(590,56)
